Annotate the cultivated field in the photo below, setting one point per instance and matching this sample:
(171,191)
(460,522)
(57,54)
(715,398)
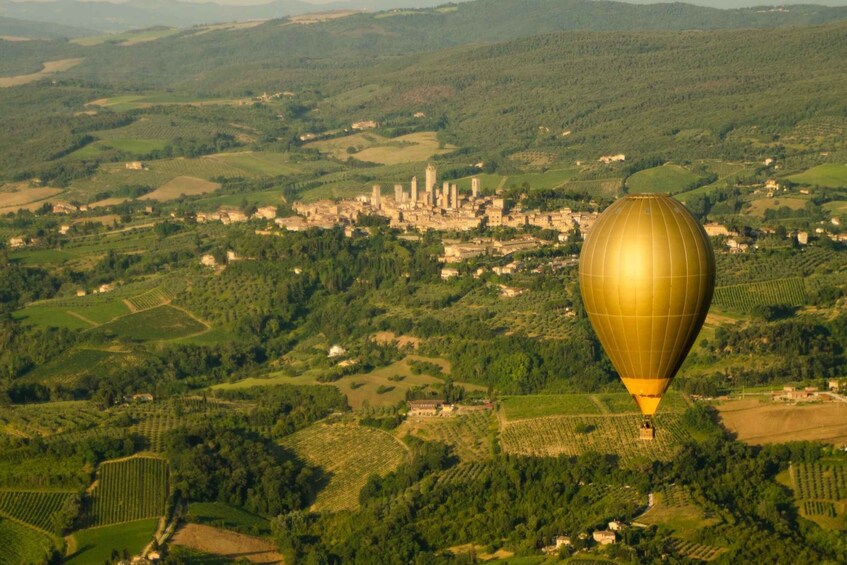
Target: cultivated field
(572,435)
(45,419)
(761,421)
(49,68)
(37,508)
(349,454)
(669,179)
(95,545)
(695,551)
(160,323)
(19,544)
(16,196)
(743,297)
(469,435)
(228,544)
(181,186)
(129,489)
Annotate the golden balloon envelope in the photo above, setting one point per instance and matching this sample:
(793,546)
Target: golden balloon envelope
(647,274)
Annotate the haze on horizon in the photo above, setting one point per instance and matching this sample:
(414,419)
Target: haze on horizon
(723,4)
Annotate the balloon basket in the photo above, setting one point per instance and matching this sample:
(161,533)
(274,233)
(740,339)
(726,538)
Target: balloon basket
(647,432)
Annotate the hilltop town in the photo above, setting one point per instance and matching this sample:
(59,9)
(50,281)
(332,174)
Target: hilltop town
(429,207)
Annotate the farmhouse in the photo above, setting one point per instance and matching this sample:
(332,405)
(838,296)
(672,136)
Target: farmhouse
(558,543)
(791,394)
(142,397)
(617,526)
(208,260)
(449,273)
(510,291)
(266,212)
(292,223)
(604,537)
(64,208)
(367,124)
(17,242)
(336,351)
(608,159)
(714,229)
(232,216)
(424,407)
(135,166)
(834,385)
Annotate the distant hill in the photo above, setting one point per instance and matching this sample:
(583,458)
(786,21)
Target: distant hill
(12,27)
(510,17)
(656,94)
(138,14)
(388,34)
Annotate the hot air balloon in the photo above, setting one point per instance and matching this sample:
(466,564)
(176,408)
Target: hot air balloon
(647,274)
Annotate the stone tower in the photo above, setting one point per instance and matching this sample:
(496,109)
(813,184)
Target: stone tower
(431,177)
(376,196)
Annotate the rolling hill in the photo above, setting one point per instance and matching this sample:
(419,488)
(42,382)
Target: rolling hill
(25,29)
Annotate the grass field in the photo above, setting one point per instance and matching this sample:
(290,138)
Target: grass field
(223,516)
(759,422)
(548,179)
(668,179)
(541,405)
(210,167)
(759,206)
(49,68)
(51,318)
(674,508)
(374,148)
(95,545)
(831,175)
(127,38)
(535,406)
(130,489)
(361,387)
(128,145)
(127,102)
(349,454)
(160,323)
(181,186)
(19,544)
(598,187)
(573,435)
